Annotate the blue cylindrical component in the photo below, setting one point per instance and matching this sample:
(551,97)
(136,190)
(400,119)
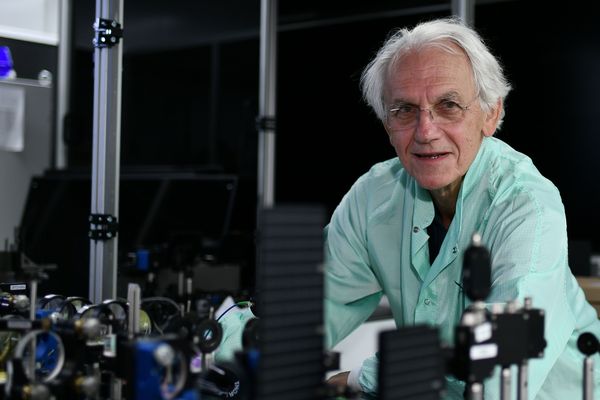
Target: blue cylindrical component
(147,371)
(41,314)
(6,63)
(143,260)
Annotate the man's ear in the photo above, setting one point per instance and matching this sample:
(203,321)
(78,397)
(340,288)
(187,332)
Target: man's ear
(491,119)
(387,133)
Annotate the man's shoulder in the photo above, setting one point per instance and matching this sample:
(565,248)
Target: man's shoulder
(505,155)
(376,187)
(511,169)
(383,172)
(512,179)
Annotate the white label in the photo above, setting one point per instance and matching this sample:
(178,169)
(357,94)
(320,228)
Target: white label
(483,332)
(483,351)
(18,287)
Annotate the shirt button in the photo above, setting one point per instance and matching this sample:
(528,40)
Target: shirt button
(427,302)
(416,229)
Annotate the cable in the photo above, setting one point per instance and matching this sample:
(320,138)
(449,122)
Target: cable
(163,299)
(238,304)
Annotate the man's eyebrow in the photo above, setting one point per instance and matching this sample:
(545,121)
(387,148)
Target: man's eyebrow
(452,95)
(401,102)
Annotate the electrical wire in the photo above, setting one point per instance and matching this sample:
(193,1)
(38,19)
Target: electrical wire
(238,304)
(159,299)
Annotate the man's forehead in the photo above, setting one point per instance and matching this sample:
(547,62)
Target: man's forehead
(432,70)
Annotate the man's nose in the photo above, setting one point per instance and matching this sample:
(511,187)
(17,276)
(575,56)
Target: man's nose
(426,129)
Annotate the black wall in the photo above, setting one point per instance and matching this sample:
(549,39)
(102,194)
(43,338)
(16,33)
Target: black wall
(195,107)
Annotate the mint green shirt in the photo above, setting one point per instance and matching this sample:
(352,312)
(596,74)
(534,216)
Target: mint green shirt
(376,244)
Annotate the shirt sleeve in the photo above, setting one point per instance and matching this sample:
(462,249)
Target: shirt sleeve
(368,374)
(527,238)
(233,324)
(352,291)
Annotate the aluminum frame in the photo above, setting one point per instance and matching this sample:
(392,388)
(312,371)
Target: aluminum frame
(106,154)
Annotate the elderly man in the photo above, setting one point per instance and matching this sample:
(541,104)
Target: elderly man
(402,228)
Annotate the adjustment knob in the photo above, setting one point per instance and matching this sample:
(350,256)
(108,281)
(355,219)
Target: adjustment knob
(587,343)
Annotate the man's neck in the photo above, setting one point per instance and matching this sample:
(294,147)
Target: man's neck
(445,201)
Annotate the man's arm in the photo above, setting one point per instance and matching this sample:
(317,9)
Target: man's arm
(527,238)
(352,289)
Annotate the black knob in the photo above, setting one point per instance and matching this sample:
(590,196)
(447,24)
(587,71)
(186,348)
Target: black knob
(587,343)
(477,267)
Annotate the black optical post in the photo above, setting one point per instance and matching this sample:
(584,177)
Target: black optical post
(587,343)
(489,338)
(475,341)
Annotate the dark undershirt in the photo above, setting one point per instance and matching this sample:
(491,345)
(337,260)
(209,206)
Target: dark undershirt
(437,232)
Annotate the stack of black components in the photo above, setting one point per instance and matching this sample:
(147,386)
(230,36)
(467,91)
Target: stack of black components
(290,303)
(413,364)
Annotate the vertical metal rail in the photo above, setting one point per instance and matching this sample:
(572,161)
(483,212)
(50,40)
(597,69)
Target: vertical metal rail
(63,89)
(267,92)
(106,151)
(465,9)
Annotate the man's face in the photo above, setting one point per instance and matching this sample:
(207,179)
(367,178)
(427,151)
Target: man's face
(437,153)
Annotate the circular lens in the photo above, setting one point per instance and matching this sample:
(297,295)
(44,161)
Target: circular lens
(49,355)
(78,302)
(119,310)
(51,302)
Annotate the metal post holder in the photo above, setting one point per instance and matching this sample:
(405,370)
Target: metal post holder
(108,32)
(103,227)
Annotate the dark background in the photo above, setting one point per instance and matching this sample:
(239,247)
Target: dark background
(191,81)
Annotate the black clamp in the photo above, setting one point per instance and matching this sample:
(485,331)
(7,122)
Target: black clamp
(108,32)
(265,123)
(103,226)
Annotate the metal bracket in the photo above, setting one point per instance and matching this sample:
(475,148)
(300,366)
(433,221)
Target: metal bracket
(108,32)
(103,227)
(265,123)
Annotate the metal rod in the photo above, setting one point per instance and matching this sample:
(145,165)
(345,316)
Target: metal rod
(134,294)
(106,153)
(180,284)
(267,85)
(588,378)
(523,381)
(213,118)
(475,391)
(465,10)
(188,294)
(63,88)
(505,383)
(33,345)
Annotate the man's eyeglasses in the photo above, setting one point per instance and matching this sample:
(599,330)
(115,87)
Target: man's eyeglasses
(405,115)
